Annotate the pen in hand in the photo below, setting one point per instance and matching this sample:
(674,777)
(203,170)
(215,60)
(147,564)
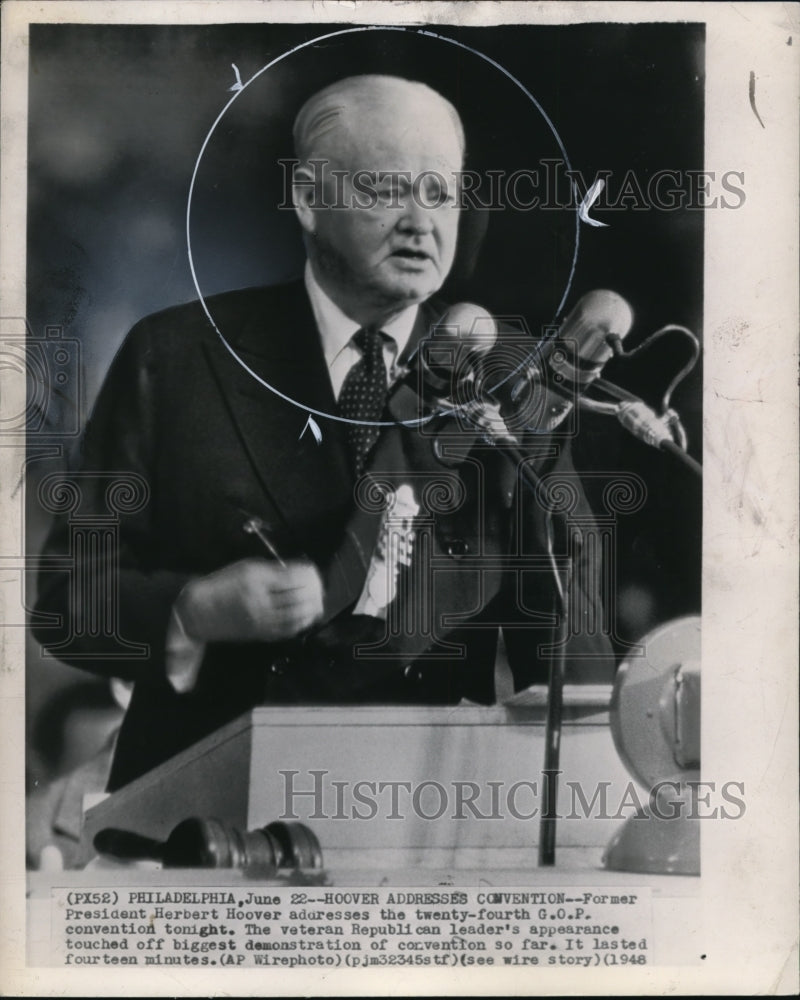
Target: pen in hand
(255,526)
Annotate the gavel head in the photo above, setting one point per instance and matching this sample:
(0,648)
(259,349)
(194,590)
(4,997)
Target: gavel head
(210,843)
(298,845)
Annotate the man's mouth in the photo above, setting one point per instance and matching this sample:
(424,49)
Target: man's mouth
(410,254)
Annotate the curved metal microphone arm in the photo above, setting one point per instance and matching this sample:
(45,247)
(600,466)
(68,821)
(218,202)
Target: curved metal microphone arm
(660,430)
(597,406)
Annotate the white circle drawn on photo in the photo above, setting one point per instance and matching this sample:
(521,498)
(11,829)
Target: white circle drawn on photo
(239,91)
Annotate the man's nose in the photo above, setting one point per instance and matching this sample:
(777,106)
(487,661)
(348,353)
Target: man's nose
(414,217)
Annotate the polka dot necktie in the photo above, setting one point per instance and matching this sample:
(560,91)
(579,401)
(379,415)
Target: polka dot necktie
(363,395)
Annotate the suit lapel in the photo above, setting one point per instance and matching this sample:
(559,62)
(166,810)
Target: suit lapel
(272,332)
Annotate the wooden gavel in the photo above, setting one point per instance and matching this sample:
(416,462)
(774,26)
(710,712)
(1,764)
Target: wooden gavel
(210,843)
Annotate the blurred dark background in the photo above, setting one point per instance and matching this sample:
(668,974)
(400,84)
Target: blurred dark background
(117,118)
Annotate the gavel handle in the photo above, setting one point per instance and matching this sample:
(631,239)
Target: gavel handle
(128,846)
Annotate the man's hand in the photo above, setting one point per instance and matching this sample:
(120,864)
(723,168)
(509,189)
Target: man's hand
(252,600)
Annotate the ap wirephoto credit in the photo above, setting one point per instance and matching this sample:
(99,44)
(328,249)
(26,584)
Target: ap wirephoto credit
(391,504)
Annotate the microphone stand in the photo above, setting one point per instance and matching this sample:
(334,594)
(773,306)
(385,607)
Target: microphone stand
(654,429)
(496,433)
(555,707)
(657,430)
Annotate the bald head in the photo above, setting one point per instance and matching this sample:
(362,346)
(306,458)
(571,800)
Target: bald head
(370,105)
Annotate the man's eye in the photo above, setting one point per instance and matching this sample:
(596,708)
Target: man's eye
(439,195)
(390,190)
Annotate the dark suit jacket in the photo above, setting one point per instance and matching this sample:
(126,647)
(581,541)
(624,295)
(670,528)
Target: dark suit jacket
(212,443)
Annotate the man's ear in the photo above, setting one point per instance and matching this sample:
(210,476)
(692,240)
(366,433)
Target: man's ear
(305,197)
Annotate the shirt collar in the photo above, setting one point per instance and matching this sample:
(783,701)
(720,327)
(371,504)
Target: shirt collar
(336,328)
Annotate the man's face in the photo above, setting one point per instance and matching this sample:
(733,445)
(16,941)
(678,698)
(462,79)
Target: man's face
(385,236)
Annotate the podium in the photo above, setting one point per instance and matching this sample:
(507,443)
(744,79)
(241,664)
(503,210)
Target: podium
(457,787)
(399,797)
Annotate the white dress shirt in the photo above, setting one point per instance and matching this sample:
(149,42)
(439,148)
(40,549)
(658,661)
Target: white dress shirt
(336,331)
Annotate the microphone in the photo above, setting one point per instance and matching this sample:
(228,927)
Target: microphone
(501,387)
(451,356)
(510,385)
(551,383)
(590,335)
(585,340)
(447,369)
(445,362)
(495,387)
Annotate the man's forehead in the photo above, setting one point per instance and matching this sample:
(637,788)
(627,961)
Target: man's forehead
(380,116)
(396,143)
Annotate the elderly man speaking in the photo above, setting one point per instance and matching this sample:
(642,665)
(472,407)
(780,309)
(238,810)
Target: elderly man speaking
(262,569)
